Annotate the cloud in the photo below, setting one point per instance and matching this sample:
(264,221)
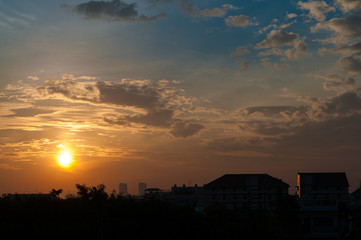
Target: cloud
(349,49)
(72,77)
(241,50)
(334,138)
(274,26)
(185,129)
(317,9)
(298,131)
(343,105)
(28,112)
(238,21)
(129,93)
(114,10)
(299,50)
(147,104)
(287,25)
(337,82)
(351,64)
(187,6)
(291,15)
(235,144)
(71,90)
(345,29)
(217,12)
(278,38)
(160,118)
(349,5)
(244,67)
(34,78)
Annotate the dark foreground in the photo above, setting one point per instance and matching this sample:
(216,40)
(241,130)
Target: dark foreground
(93,214)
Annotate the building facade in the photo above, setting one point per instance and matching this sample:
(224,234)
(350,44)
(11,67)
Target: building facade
(141,188)
(255,191)
(123,189)
(322,198)
(187,196)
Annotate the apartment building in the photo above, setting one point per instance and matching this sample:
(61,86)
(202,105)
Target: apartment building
(239,190)
(322,199)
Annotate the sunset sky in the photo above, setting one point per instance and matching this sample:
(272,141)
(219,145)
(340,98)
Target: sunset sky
(177,91)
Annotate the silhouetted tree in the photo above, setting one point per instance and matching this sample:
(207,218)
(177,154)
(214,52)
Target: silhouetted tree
(55,193)
(83,191)
(92,193)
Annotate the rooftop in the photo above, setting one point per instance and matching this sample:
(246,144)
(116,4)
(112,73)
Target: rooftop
(240,180)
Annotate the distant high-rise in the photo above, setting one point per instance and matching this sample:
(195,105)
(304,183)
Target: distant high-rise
(123,189)
(141,188)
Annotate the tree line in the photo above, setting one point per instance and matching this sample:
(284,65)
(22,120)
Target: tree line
(92,213)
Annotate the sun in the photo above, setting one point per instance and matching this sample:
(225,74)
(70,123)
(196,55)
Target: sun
(65,159)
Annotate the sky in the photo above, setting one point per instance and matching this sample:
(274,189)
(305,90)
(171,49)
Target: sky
(177,91)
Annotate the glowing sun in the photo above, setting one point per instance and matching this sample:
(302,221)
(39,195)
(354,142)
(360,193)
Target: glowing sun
(65,159)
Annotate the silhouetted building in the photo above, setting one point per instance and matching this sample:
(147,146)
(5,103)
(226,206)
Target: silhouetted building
(153,192)
(123,189)
(356,198)
(141,188)
(238,190)
(323,198)
(187,195)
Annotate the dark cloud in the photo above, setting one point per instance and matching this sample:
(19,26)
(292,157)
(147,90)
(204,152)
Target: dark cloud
(338,83)
(346,103)
(187,6)
(28,112)
(278,38)
(339,137)
(185,129)
(265,128)
(342,105)
(149,97)
(115,10)
(158,102)
(128,94)
(350,49)
(70,90)
(351,64)
(345,29)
